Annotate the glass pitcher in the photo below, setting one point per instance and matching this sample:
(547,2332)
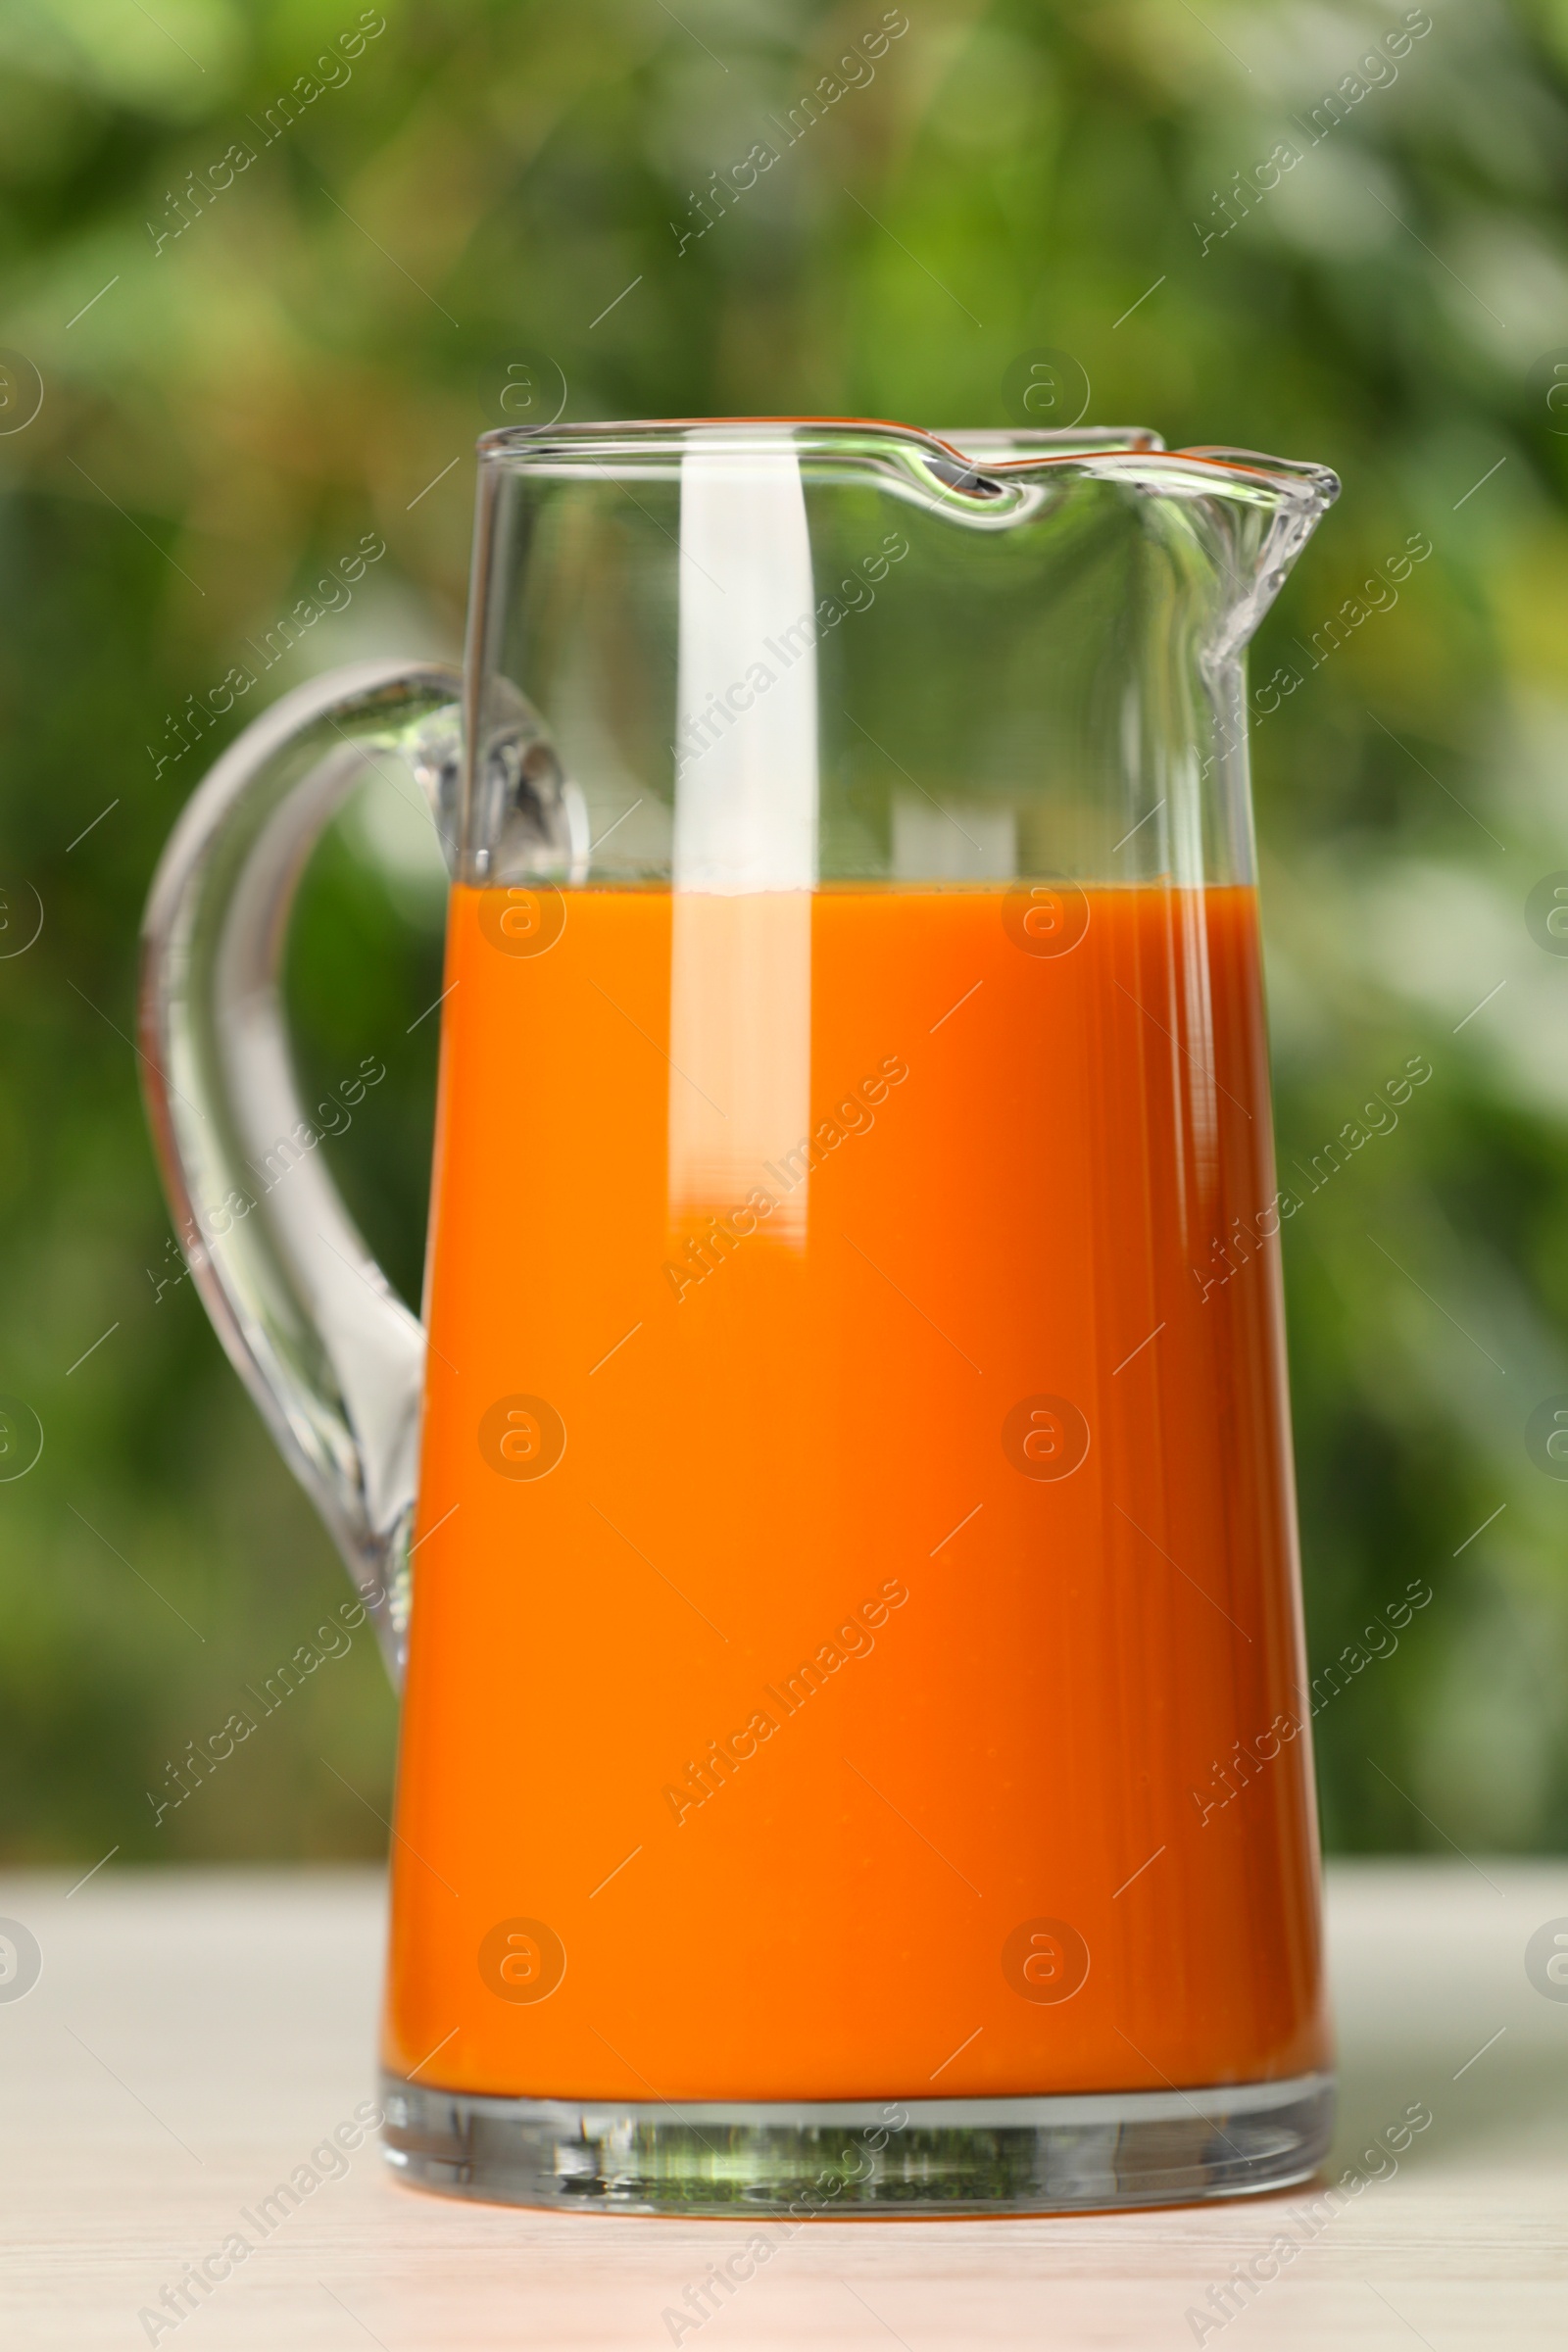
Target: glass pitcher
(834,1527)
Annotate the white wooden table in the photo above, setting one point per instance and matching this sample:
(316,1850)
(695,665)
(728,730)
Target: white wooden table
(193,2037)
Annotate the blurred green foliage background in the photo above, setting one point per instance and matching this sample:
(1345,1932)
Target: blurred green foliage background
(227,408)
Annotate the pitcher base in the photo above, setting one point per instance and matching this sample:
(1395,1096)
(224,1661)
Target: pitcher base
(891,2159)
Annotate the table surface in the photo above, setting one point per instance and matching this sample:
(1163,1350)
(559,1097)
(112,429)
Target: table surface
(194,2034)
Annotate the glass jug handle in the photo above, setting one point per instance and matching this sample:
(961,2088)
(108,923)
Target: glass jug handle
(332,1357)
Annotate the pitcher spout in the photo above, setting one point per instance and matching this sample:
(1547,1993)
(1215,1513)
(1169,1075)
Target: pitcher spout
(1246,516)
(1263,512)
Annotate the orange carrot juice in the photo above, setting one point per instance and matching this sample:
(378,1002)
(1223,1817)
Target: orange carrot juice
(839,1601)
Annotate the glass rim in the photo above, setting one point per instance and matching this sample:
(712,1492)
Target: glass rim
(1011,454)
